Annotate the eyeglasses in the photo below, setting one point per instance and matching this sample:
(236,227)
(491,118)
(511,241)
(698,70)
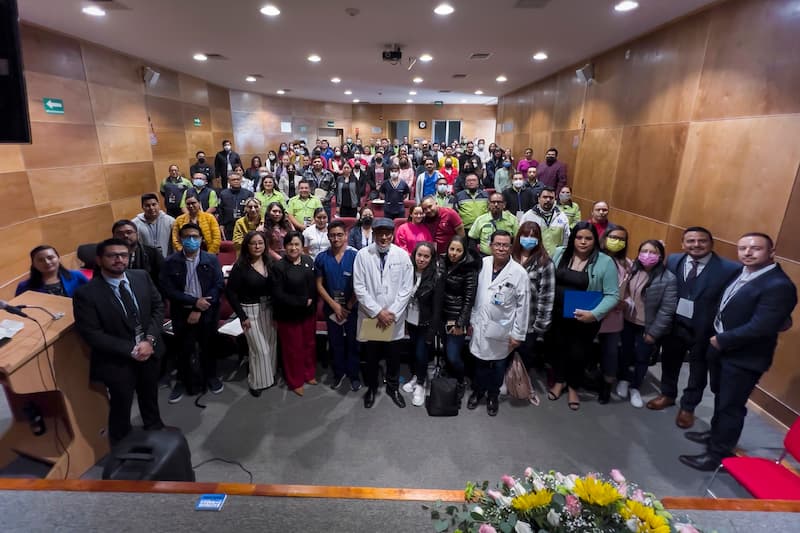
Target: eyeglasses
(120,255)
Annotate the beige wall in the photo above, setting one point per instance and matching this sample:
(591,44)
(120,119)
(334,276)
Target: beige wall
(698,126)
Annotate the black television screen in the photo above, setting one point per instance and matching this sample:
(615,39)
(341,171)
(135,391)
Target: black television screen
(14,121)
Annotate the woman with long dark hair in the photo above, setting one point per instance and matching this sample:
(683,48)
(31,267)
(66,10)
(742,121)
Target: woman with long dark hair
(295,305)
(248,291)
(251,221)
(423,313)
(361,234)
(276,226)
(49,276)
(651,298)
(252,173)
(529,252)
(580,267)
(348,192)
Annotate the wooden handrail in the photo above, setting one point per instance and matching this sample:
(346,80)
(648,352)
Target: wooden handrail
(349,493)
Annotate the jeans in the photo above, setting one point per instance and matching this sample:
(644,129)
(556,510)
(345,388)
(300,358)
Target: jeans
(489,376)
(344,347)
(453,347)
(421,351)
(609,349)
(636,353)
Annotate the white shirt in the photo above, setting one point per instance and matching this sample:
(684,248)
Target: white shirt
(701,264)
(744,278)
(316,240)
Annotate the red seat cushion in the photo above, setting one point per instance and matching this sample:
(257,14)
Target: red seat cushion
(764,478)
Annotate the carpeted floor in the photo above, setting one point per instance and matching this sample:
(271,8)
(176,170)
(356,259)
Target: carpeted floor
(328,438)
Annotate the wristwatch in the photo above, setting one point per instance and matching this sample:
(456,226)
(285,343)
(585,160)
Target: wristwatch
(151,340)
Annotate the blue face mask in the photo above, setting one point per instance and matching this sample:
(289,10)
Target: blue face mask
(529,243)
(507,165)
(191,244)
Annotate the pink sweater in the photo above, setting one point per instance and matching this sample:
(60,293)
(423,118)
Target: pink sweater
(409,234)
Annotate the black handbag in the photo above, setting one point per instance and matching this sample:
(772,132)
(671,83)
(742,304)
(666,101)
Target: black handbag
(443,397)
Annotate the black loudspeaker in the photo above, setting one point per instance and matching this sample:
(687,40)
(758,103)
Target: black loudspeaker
(151,456)
(15,126)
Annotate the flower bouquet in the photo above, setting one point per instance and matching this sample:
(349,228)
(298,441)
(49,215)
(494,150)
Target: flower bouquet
(556,503)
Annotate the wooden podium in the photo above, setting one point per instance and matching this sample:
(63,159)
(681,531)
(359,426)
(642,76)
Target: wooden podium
(54,379)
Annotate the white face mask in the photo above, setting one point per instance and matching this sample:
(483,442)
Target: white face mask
(394,174)
(518,184)
(442,189)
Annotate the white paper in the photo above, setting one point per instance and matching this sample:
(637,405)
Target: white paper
(335,320)
(685,308)
(9,328)
(232,328)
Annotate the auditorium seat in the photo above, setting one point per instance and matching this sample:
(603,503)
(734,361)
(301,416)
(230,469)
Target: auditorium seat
(349,222)
(227,253)
(399,222)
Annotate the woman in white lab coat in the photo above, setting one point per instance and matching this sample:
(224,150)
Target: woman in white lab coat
(499,319)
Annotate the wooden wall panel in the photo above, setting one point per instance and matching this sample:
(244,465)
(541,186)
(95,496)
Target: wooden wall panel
(639,228)
(751,65)
(596,167)
(249,132)
(124,144)
(20,204)
(647,169)
(52,141)
(18,240)
(788,241)
(218,97)
(244,101)
(193,90)
(56,191)
(200,140)
(218,137)
(192,111)
(117,107)
(607,97)
(129,179)
(74,93)
(727,159)
(540,142)
(125,208)
(569,101)
(11,158)
(107,67)
(80,226)
(51,53)
(221,119)
(544,102)
(171,145)
(164,113)
(168,85)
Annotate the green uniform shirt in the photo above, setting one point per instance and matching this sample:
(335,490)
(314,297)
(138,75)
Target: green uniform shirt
(303,210)
(485,225)
(276,196)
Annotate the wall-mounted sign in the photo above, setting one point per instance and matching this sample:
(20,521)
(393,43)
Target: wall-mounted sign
(53,106)
(438,103)
(330,123)
(196,122)
(376,129)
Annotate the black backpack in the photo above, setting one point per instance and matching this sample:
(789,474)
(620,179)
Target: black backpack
(443,397)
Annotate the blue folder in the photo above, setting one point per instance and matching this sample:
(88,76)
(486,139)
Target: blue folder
(586,300)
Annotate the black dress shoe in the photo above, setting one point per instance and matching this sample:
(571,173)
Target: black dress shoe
(255,393)
(473,400)
(397,398)
(492,405)
(705,462)
(605,394)
(700,437)
(369,398)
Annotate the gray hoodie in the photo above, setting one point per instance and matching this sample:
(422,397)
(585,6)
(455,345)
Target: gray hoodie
(157,234)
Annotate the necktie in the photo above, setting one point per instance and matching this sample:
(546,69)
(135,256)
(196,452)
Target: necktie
(130,307)
(692,271)
(383,259)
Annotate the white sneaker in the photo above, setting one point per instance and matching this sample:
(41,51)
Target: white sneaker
(622,388)
(409,385)
(636,399)
(503,390)
(419,395)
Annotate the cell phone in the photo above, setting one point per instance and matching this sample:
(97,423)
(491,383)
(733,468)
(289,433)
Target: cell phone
(451,324)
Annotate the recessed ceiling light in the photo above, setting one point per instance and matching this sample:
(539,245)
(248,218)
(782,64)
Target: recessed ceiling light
(426,57)
(356,100)
(540,56)
(412,93)
(478,92)
(251,79)
(336,80)
(270,10)
(501,79)
(94,11)
(314,58)
(200,57)
(443,9)
(348,91)
(409,101)
(626,5)
(280,91)
(417,80)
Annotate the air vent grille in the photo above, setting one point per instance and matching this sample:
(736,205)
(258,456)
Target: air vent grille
(459,76)
(480,56)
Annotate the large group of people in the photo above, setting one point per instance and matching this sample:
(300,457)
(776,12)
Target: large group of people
(456,247)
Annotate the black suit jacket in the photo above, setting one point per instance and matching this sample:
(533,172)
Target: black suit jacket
(221,165)
(753,317)
(100,320)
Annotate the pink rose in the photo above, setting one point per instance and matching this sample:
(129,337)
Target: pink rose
(686,528)
(508,481)
(617,476)
(529,472)
(573,505)
(638,496)
(622,488)
(486,528)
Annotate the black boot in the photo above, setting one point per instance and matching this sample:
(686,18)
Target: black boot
(605,393)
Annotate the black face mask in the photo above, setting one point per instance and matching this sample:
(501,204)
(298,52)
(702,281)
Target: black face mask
(290,173)
(201,160)
(550,160)
(473,190)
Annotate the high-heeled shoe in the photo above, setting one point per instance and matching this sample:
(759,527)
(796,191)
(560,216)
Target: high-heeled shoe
(552,396)
(299,391)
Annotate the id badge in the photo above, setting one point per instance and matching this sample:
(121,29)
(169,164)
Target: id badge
(171,200)
(498,299)
(685,308)
(307,221)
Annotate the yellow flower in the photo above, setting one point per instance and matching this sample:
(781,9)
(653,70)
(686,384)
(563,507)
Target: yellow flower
(595,492)
(531,500)
(649,521)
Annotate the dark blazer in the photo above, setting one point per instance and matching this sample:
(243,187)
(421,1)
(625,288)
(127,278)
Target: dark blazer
(707,289)
(100,319)
(753,318)
(221,165)
(173,283)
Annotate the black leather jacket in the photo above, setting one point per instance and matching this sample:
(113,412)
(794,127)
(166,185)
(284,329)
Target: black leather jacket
(460,285)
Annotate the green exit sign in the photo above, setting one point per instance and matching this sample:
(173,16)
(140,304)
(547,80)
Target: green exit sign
(330,123)
(196,121)
(438,103)
(53,106)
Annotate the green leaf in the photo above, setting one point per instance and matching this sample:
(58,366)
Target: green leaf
(451,510)
(505,527)
(441,525)
(435,514)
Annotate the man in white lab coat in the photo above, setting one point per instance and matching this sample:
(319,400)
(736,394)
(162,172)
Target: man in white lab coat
(499,319)
(383,280)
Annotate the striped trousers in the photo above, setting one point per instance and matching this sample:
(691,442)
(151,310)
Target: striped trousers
(262,342)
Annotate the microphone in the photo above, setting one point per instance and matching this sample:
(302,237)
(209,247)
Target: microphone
(11,309)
